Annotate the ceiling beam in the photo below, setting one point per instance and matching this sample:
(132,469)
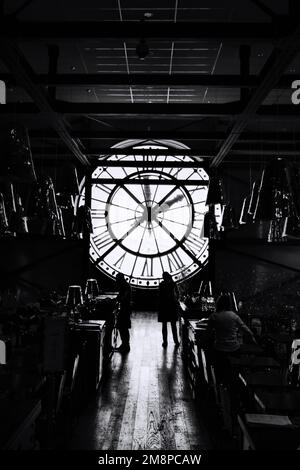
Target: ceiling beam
(21,8)
(155,110)
(250,148)
(151,29)
(265,152)
(127,151)
(164,182)
(153,79)
(282,55)
(103,134)
(22,72)
(265,9)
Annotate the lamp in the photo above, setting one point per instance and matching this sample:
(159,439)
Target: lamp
(233,302)
(18,223)
(253,198)
(17,163)
(44,215)
(215,194)
(277,230)
(294,366)
(205,288)
(274,198)
(91,288)
(229,219)
(244,216)
(74,298)
(67,186)
(3,216)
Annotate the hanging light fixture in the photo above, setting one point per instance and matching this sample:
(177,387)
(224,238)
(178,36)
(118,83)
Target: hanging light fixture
(229,218)
(253,199)
(18,221)
(277,230)
(3,216)
(67,186)
(274,198)
(277,199)
(244,216)
(205,288)
(42,211)
(215,194)
(17,162)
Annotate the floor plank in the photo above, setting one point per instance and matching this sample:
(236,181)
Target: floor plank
(145,402)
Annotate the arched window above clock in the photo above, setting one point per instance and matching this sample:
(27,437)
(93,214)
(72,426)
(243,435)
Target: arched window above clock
(148,211)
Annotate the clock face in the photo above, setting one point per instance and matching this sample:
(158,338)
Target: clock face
(142,228)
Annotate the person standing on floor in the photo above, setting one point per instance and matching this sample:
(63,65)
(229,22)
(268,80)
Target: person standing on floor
(168,308)
(124,315)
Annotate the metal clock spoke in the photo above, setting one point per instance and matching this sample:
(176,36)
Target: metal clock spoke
(138,250)
(179,243)
(131,195)
(122,221)
(122,238)
(158,251)
(175,222)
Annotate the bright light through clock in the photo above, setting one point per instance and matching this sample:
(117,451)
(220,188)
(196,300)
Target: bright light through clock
(145,228)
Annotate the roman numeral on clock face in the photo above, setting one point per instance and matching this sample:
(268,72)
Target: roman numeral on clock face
(194,243)
(104,188)
(103,240)
(99,213)
(174,261)
(120,261)
(148,267)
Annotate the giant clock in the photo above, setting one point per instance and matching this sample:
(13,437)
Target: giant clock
(146,220)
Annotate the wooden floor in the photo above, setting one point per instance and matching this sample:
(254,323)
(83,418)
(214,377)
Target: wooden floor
(145,402)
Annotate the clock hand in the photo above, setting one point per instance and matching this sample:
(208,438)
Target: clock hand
(132,195)
(118,241)
(166,205)
(179,243)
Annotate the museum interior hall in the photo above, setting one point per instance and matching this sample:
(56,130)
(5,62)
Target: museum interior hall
(150,225)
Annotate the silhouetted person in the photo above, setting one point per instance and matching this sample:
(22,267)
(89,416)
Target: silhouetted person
(168,307)
(124,320)
(226,326)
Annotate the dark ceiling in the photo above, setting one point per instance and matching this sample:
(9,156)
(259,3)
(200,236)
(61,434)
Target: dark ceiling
(217,77)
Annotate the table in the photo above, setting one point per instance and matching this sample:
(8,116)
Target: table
(269,437)
(277,402)
(251,350)
(272,379)
(18,420)
(260,362)
(92,333)
(192,340)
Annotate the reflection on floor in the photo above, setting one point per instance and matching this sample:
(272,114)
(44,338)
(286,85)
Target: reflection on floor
(145,402)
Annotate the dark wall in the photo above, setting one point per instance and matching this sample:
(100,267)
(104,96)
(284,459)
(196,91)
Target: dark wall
(266,278)
(35,265)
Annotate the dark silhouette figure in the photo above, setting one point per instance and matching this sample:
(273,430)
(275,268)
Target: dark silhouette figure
(124,320)
(226,327)
(168,307)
